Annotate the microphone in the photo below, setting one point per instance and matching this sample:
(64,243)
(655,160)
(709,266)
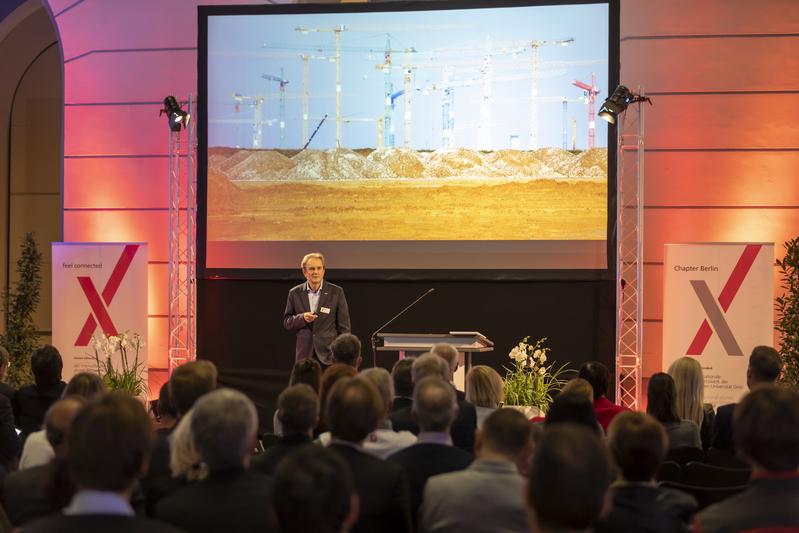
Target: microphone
(381,328)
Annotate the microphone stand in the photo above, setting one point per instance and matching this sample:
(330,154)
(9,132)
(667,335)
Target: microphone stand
(374,335)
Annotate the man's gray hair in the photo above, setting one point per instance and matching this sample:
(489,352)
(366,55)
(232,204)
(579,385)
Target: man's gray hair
(429,364)
(381,379)
(448,352)
(224,423)
(312,255)
(435,404)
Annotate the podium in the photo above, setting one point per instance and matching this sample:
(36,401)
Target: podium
(466,342)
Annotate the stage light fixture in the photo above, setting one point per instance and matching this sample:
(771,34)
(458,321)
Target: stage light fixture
(618,102)
(176,117)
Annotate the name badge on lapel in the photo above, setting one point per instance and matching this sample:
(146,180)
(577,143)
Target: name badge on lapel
(325,310)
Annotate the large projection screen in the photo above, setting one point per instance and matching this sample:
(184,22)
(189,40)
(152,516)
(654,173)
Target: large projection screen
(422,136)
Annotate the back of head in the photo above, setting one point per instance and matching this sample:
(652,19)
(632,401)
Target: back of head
(58,421)
(353,409)
(765,365)
(597,375)
(766,426)
(307,371)
(189,382)
(109,442)
(448,353)
(184,459)
(46,365)
(401,374)
(313,490)
(484,387)
(569,478)
(332,375)
(224,424)
(427,365)
(435,404)
(298,409)
(579,386)
(381,379)
(573,408)
(660,398)
(689,389)
(166,408)
(506,432)
(84,384)
(638,444)
(347,349)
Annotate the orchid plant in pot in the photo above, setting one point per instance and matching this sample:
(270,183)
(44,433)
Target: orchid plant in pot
(531,380)
(118,363)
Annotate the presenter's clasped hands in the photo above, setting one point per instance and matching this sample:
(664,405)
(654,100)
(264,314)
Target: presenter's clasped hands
(309,317)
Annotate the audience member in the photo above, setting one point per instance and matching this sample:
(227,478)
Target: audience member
(298,412)
(568,481)
(765,366)
(353,411)
(346,349)
(638,445)
(37,450)
(108,445)
(449,354)
(383,441)
(9,440)
(766,435)
(434,409)
(314,491)
(598,376)
(185,463)
(403,383)
(167,415)
(231,498)
(689,386)
(32,401)
(25,491)
(307,371)
(573,408)
(466,422)
(489,495)
(661,405)
(484,390)
(578,386)
(5,389)
(330,377)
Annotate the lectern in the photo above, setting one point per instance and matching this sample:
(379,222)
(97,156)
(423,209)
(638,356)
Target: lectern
(466,342)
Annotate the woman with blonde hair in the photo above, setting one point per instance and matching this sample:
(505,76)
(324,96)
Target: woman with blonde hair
(689,396)
(485,390)
(185,462)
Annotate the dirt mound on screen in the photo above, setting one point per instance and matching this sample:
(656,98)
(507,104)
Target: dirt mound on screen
(336,164)
(223,163)
(518,163)
(592,163)
(224,196)
(261,165)
(556,158)
(456,162)
(397,163)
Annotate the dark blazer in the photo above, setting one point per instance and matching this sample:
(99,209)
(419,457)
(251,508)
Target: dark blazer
(317,336)
(234,500)
(422,461)
(382,486)
(8,391)
(648,509)
(31,403)
(722,428)
(158,482)
(98,523)
(24,497)
(266,462)
(9,441)
(401,402)
(462,430)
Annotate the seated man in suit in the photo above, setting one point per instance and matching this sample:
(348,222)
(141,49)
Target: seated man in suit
(32,401)
(766,435)
(346,349)
(231,498)
(765,366)
(24,490)
(434,409)
(568,480)
(489,495)
(108,447)
(314,492)
(403,384)
(298,412)
(353,410)
(466,422)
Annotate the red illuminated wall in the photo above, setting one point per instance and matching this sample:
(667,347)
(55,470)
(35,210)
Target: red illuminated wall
(722,143)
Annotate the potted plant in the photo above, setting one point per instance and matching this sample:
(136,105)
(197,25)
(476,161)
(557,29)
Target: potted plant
(530,382)
(117,358)
(788,313)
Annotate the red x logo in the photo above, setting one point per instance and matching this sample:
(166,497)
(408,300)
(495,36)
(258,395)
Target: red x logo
(725,299)
(99,306)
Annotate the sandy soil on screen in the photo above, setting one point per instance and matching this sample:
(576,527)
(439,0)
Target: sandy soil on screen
(406,195)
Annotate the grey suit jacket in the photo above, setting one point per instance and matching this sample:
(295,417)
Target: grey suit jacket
(458,501)
(317,336)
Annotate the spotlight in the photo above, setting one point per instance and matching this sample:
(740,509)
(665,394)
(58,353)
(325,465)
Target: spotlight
(618,102)
(176,117)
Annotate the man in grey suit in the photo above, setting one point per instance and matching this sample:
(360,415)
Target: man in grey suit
(317,311)
(489,495)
